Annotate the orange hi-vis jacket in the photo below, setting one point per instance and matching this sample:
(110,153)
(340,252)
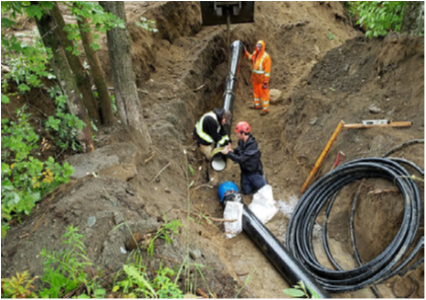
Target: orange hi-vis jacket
(261,65)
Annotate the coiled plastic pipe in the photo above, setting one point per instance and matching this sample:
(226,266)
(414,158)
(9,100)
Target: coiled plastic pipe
(387,263)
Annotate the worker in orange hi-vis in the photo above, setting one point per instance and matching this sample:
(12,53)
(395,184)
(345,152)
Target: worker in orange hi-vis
(261,73)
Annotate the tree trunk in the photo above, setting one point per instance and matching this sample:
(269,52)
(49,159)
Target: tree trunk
(46,26)
(413,19)
(97,72)
(81,78)
(126,95)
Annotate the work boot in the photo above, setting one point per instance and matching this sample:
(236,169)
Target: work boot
(254,107)
(264,113)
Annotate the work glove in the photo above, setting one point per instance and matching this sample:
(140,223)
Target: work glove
(265,85)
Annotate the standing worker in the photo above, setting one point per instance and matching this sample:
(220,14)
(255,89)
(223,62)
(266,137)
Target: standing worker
(261,73)
(210,129)
(247,155)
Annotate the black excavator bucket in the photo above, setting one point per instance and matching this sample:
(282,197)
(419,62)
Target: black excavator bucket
(217,12)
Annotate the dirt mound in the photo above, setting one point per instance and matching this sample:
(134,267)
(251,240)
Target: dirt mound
(324,72)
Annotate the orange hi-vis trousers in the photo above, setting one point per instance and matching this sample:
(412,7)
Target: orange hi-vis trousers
(261,97)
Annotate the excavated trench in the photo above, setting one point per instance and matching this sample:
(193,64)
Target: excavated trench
(181,74)
(379,231)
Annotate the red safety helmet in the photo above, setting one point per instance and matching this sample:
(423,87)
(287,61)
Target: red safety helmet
(243,126)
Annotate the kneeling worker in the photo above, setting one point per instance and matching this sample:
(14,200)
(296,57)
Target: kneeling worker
(247,155)
(210,129)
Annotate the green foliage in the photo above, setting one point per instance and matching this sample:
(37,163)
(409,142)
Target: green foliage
(101,21)
(191,169)
(378,17)
(65,271)
(136,283)
(73,34)
(19,286)
(21,7)
(164,231)
(301,291)
(5,99)
(28,64)
(148,25)
(24,179)
(330,36)
(165,287)
(113,104)
(36,11)
(63,125)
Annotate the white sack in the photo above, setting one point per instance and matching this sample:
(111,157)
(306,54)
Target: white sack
(233,211)
(263,204)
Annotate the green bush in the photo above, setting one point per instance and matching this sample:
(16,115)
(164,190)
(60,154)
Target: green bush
(377,17)
(24,179)
(64,125)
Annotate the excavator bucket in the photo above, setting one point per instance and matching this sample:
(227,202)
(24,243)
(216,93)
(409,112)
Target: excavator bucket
(217,12)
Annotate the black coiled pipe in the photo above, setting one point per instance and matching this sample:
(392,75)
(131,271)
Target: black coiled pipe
(387,263)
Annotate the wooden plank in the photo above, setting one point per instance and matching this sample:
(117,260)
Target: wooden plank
(322,156)
(391,124)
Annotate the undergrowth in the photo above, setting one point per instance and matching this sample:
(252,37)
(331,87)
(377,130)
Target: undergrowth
(25,178)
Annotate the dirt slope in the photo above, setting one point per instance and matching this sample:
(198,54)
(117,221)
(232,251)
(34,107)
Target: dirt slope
(325,71)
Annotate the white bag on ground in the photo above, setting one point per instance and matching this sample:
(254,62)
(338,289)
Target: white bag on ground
(233,211)
(263,204)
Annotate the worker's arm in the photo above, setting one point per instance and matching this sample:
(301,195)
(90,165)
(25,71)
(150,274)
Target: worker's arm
(248,55)
(267,67)
(240,156)
(225,139)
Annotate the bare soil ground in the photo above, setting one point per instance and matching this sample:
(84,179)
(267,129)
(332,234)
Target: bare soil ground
(324,70)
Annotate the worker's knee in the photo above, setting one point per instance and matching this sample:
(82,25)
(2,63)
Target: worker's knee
(206,150)
(246,187)
(258,181)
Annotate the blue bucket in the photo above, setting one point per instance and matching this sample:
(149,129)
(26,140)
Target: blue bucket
(226,187)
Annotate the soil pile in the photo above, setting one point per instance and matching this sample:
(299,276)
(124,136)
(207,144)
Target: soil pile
(323,71)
